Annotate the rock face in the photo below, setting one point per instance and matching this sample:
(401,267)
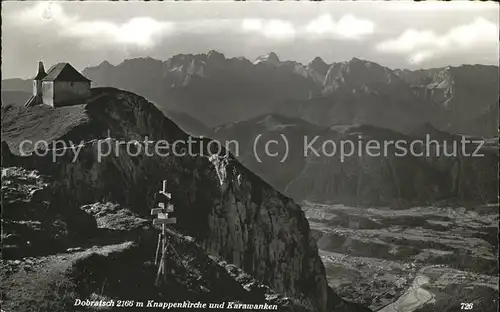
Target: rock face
(33,222)
(112,216)
(361,74)
(262,232)
(229,210)
(364,93)
(466,93)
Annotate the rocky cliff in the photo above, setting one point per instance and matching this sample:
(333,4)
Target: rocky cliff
(466,93)
(230,211)
(53,256)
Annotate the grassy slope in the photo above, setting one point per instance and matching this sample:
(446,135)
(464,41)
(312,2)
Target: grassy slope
(39,123)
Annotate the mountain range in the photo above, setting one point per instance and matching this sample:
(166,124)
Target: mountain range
(217,90)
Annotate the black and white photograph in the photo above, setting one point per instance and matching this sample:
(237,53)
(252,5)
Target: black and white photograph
(296,156)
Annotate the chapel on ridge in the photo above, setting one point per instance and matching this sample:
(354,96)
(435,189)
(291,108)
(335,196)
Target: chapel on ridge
(61,85)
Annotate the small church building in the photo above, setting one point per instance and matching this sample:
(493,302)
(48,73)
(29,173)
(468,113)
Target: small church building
(61,85)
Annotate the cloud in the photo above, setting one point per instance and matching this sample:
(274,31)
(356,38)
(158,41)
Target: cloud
(207,26)
(420,45)
(347,27)
(274,28)
(445,6)
(252,24)
(138,31)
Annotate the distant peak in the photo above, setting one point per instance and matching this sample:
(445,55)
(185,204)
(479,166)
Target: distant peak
(140,60)
(318,60)
(271,58)
(319,65)
(357,60)
(215,53)
(215,56)
(106,64)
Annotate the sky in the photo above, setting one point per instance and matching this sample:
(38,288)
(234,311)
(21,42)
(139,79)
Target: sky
(400,34)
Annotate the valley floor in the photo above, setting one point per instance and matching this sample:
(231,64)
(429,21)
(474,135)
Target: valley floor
(417,259)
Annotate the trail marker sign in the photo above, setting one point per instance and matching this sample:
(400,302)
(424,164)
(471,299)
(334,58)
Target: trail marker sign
(162,219)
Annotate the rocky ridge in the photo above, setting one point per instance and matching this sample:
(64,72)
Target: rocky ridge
(465,93)
(320,173)
(216,90)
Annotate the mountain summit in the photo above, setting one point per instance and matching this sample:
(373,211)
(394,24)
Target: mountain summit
(215,57)
(270,58)
(318,65)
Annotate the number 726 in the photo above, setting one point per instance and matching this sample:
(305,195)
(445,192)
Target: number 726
(466,306)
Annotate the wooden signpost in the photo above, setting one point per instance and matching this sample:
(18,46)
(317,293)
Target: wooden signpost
(164,207)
